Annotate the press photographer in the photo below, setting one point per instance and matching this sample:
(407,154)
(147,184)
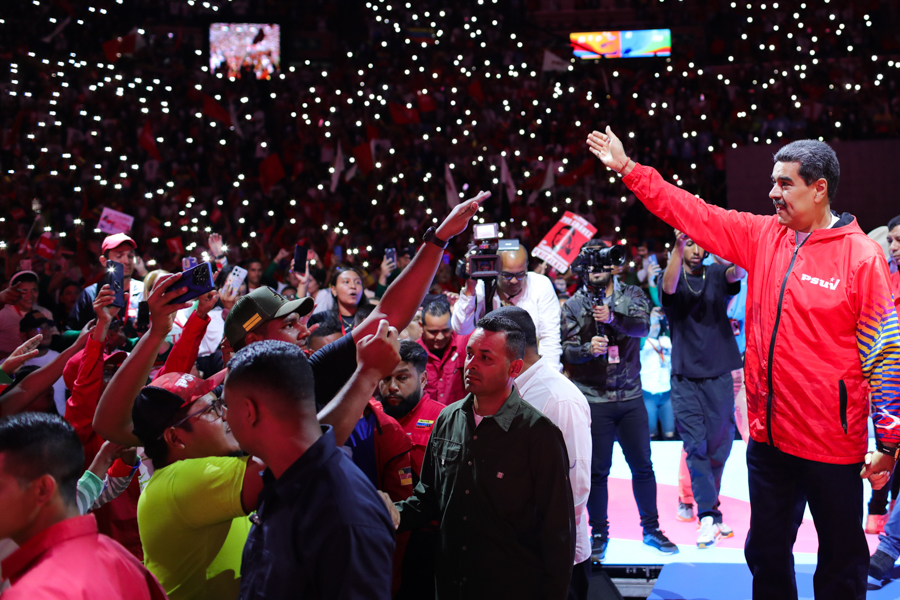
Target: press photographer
(497,272)
(602,326)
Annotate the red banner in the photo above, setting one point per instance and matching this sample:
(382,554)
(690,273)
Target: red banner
(563,243)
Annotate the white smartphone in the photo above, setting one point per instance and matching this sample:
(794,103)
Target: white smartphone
(235,279)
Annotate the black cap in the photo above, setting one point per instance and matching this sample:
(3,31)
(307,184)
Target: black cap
(259,306)
(32,320)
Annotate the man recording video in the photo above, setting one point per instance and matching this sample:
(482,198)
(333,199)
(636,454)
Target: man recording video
(602,326)
(514,285)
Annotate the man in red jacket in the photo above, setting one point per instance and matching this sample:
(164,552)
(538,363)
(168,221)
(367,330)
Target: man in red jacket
(446,354)
(61,554)
(822,334)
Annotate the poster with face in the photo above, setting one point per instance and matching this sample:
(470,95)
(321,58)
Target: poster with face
(562,244)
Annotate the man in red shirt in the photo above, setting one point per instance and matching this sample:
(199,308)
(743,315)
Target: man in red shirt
(446,354)
(402,397)
(61,554)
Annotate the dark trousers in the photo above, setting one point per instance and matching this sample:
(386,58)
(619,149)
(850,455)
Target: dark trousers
(704,417)
(417,574)
(627,422)
(580,582)
(780,484)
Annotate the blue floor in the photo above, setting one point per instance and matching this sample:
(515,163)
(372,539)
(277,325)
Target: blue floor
(709,581)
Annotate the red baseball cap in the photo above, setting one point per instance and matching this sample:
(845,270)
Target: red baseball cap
(186,386)
(160,402)
(115,240)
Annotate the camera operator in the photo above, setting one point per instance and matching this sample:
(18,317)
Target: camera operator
(515,286)
(602,326)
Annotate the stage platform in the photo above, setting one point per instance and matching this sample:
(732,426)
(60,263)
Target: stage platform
(723,563)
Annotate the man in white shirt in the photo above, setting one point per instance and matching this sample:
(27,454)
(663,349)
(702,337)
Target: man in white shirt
(515,286)
(18,300)
(559,400)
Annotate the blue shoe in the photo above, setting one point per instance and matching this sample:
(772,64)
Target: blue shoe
(598,548)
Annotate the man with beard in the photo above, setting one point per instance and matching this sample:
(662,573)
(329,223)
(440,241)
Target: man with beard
(403,398)
(704,353)
(602,326)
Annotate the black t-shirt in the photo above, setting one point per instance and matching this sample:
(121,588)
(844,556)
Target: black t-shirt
(703,343)
(332,367)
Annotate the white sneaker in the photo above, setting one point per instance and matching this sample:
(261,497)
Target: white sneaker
(726,531)
(709,533)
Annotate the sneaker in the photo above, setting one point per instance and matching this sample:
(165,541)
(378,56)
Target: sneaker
(875,523)
(709,533)
(685,512)
(725,531)
(598,548)
(880,566)
(657,539)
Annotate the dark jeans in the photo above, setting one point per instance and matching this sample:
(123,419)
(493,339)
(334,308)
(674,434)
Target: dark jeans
(779,484)
(627,422)
(704,417)
(580,582)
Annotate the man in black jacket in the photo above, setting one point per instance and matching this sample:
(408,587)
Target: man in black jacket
(601,329)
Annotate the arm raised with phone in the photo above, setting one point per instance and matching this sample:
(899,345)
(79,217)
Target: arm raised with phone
(402,298)
(113,417)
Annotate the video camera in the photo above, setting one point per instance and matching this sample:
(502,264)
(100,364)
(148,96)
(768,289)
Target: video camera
(595,259)
(482,257)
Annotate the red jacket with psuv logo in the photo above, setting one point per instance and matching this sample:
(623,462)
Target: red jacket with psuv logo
(821,324)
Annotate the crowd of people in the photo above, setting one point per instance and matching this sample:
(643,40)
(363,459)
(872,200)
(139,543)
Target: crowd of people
(379,423)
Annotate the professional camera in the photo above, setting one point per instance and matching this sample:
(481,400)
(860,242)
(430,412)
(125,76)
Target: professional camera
(595,259)
(482,258)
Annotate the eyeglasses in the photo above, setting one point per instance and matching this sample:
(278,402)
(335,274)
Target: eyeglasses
(510,276)
(216,406)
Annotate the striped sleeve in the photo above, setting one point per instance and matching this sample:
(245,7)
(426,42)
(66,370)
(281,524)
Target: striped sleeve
(89,488)
(878,341)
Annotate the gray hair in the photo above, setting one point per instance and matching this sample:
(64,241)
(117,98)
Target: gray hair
(817,161)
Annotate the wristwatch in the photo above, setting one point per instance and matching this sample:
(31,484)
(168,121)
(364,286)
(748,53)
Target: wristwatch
(892,451)
(431,236)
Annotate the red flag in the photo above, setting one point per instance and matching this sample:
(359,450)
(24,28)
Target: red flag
(127,44)
(363,156)
(572,177)
(45,247)
(18,214)
(270,172)
(426,102)
(371,132)
(402,115)
(66,6)
(214,110)
(178,39)
(215,215)
(175,246)
(475,91)
(12,135)
(145,139)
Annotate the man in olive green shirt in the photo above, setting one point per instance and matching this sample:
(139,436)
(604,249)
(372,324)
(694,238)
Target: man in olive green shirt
(495,475)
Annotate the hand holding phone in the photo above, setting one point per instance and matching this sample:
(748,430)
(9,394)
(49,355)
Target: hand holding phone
(197,280)
(235,280)
(115,279)
(301,256)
